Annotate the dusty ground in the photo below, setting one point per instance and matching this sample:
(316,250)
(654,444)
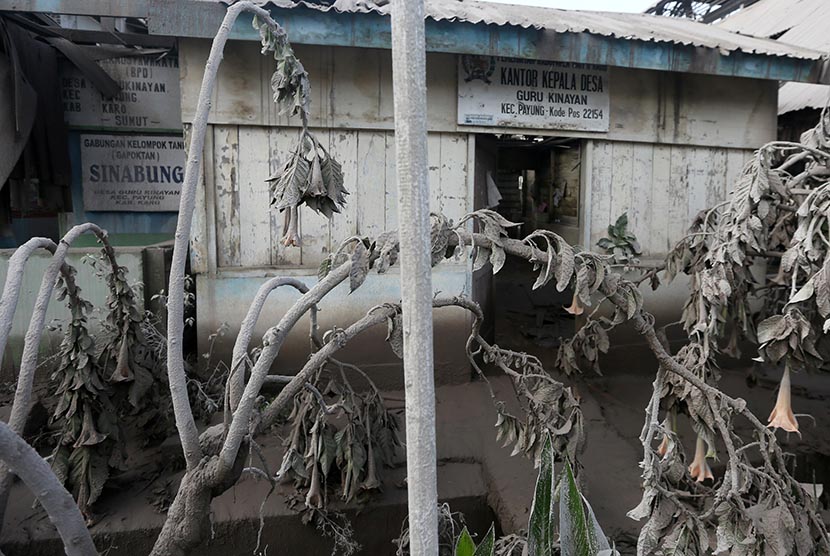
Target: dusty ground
(474,472)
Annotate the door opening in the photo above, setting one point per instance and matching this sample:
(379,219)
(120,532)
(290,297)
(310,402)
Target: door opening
(534,181)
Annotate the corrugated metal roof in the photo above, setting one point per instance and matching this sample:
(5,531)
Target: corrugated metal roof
(631,26)
(796,96)
(798,22)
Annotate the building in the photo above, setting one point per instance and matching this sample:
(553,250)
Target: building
(799,23)
(575,117)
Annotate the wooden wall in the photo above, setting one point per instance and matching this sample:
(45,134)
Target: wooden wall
(662,187)
(237,227)
(352,89)
(674,142)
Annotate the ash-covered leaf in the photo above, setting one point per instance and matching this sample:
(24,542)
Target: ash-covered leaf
(360,266)
(394,334)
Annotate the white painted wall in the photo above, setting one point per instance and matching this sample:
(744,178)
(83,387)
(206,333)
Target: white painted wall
(661,187)
(244,231)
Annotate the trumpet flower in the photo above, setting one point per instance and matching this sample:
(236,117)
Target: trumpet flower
(782,414)
(576,307)
(663,448)
(699,469)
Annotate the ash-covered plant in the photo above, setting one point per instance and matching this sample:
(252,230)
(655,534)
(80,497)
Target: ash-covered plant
(310,174)
(756,268)
(621,244)
(131,361)
(548,407)
(88,441)
(207,378)
(340,438)
(735,514)
(450,527)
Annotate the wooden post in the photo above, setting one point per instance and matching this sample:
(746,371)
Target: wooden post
(409,82)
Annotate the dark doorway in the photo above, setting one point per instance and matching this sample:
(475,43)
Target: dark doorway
(537,182)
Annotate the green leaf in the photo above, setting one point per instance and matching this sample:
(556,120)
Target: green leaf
(324,268)
(580,534)
(488,545)
(540,533)
(465,546)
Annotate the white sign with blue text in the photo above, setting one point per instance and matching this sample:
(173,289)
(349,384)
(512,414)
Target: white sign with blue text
(534,94)
(132,172)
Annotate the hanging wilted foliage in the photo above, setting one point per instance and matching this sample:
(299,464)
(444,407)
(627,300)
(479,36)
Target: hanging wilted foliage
(289,81)
(310,176)
(139,383)
(774,223)
(339,437)
(85,417)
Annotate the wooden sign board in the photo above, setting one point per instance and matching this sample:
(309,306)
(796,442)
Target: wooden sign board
(535,94)
(132,172)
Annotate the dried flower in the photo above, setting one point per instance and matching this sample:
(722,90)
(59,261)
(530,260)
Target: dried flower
(782,414)
(663,448)
(699,469)
(576,307)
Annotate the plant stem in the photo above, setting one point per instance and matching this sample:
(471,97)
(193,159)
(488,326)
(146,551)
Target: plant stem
(246,332)
(31,347)
(185,423)
(27,464)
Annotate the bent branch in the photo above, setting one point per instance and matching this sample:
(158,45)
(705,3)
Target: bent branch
(27,464)
(14,277)
(28,365)
(185,423)
(246,332)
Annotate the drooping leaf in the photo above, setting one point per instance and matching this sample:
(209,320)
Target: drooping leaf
(360,266)
(487,546)
(395,335)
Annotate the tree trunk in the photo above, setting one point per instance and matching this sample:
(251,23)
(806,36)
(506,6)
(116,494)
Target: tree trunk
(188,519)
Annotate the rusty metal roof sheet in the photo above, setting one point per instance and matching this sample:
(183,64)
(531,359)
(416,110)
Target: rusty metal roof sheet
(631,26)
(796,22)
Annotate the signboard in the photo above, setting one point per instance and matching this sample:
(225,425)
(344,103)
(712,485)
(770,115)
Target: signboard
(149,99)
(132,172)
(539,94)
